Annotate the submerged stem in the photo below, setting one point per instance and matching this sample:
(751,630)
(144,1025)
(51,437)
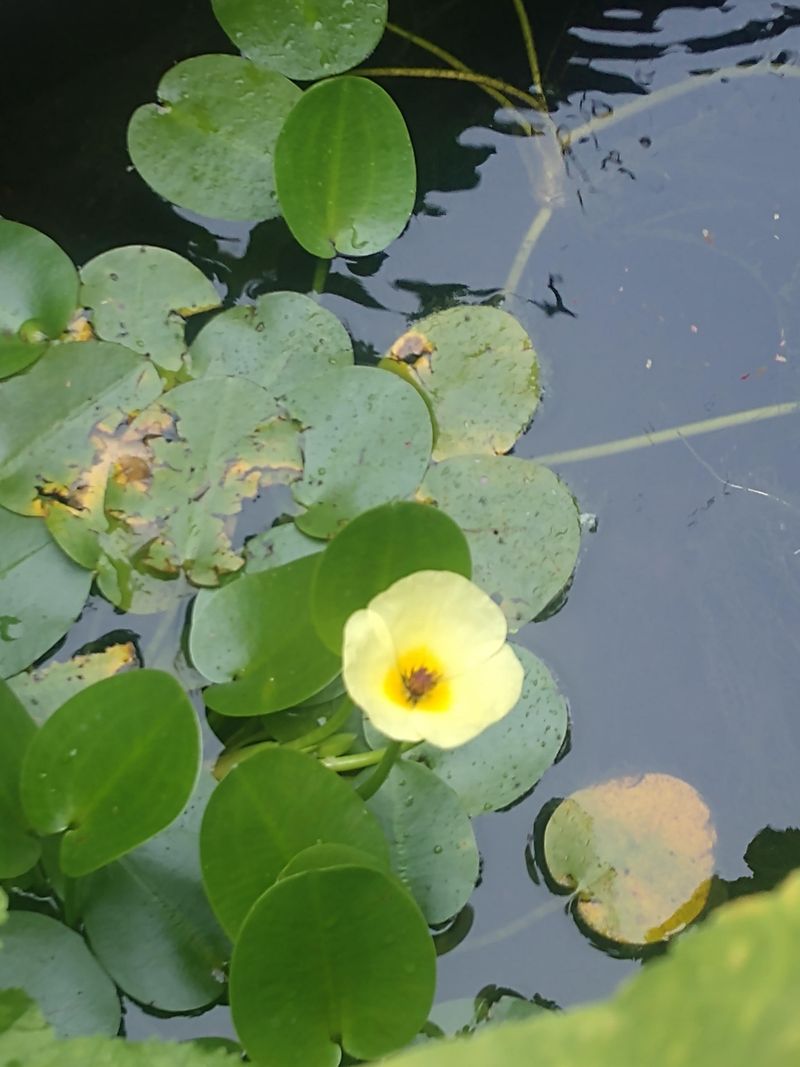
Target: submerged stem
(530,50)
(320,275)
(453,75)
(391,754)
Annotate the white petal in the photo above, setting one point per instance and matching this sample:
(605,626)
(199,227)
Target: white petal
(446,613)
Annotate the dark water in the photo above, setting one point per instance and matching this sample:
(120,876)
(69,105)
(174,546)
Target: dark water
(664,290)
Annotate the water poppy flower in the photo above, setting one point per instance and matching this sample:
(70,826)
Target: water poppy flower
(427,660)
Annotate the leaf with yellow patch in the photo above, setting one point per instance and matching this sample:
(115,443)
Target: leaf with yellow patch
(639,854)
(42,691)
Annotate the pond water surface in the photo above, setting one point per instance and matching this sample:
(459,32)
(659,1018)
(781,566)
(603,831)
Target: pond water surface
(663,291)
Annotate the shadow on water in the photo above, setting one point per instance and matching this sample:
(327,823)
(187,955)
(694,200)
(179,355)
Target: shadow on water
(663,291)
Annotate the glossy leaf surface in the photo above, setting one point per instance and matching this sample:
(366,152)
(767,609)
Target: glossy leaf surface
(362,931)
(367,440)
(478,368)
(257,636)
(52,964)
(38,294)
(521,523)
(374,551)
(208,143)
(42,592)
(639,853)
(345,170)
(279,342)
(303,42)
(140,296)
(149,922)
(112,767)
(254,825)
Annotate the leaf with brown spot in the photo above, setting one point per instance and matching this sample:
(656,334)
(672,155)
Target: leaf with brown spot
(637,851)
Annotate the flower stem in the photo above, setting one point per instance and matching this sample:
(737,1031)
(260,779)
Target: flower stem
(356,761)
(391,754)
(321,275)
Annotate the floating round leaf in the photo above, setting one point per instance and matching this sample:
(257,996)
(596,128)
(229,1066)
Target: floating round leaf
(521,523)
(169,952)
(345,171)
(264,813)
(19,848)
(207,145)
(430,837)
(478,367)
(328,854)
(361,931)
(57,418)
(303,42)
(373,551)
(638,852)
(256,635)
(509,758)
(38,294)
(278,342)
(367,439)
(140,295)
(42,592)
(54,967)
(112,767)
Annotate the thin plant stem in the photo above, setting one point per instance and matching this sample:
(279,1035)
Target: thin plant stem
(356,761)
(452,75)
(320,275)
(530,50)
(534,232)
(391,754)
(456,64)
(329,727)
(675,433)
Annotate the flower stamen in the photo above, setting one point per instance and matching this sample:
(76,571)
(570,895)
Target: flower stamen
(419,682)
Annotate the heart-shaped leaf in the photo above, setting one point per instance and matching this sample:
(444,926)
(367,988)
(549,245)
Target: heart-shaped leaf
(267,810)
(140,295)
(207,144)
(356,944)
(112,767)
(344,168)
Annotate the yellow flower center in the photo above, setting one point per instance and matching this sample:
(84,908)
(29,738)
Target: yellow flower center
(416,681)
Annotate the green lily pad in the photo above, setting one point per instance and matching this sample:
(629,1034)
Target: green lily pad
(430,837)
(304,43)
(19,848)
(52,964)
(254,825)
(507,759)
(356,944)
(84,770)
(58,417)
(367,440)
(169,952)
(344,169)
(329,854)
(278,545)
(479,369)
(278,342)
(637,851)
(376,549)
(207,144)
(42,592)
(140,296)
(38,294)
(256,636)
(521,523)
(44,690)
